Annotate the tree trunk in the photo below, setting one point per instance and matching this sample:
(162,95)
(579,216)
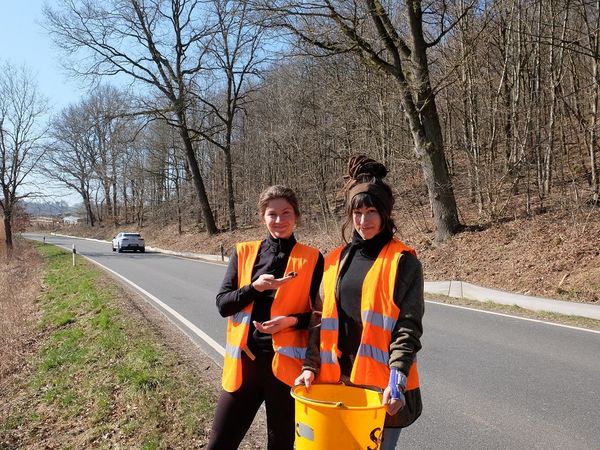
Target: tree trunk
(439,186)
(8,230)
(88,207)
(230,195)
(177,193)
(207,214)
(595,184)
(115,212)
(108,199)
(593,138)
(126,201)
(470,120)
(427,132)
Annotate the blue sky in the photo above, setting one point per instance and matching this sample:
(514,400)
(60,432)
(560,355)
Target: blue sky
(23,40)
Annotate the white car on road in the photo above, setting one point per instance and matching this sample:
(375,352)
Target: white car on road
(128,241)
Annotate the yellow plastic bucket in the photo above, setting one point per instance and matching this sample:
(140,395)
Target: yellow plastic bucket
(335,416)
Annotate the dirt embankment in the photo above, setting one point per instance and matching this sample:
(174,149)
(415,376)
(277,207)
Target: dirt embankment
(20,285)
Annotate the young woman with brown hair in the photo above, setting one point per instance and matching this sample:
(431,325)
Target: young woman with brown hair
(267,295)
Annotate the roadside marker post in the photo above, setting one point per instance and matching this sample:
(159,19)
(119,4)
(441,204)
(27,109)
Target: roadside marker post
(74,253)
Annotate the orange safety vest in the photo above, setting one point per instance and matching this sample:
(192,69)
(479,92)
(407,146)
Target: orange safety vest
(379,314)
(291,298)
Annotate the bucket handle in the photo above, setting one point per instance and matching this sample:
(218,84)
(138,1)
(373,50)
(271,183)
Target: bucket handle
(326,402)
(323,402)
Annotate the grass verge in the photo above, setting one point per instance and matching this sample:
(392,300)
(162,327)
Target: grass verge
(100,377)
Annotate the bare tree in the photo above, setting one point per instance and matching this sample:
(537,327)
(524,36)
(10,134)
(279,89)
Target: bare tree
(516,86)
(109,137)
(158,44)
(591,17)
(376,32)
(66,160)
(236,54)
(21,111)
(92,144)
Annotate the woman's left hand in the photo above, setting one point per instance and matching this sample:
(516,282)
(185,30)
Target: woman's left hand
(392,405)
(276,324)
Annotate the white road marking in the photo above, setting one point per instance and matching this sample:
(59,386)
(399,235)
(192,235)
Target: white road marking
(513,317)
(193,328)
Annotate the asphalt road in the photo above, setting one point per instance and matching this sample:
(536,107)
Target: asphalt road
(488,381)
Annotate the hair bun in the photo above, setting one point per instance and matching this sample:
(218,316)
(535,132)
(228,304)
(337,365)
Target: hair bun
(362,168)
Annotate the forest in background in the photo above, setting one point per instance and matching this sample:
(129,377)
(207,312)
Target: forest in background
(227,102)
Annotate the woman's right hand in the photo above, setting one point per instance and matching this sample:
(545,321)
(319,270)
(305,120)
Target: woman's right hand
(393,405)
(306,378)
(268,282)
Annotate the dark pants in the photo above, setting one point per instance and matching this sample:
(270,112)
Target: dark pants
(236,410)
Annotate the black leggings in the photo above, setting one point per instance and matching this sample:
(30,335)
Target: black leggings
(236,410)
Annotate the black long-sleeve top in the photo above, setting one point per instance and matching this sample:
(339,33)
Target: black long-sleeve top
(272,258)
(357,259)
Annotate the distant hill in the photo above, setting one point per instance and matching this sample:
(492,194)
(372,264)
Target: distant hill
(49,208)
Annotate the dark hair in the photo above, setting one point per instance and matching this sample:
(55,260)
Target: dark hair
(365,188)
(274,192)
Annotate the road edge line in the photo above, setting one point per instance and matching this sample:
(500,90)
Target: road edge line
(197,331)
(514,317)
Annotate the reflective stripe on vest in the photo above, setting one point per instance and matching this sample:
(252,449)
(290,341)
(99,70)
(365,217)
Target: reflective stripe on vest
(329,324)
(370,351)
(378,314)
(291,298)
(233,351)
(293,352)
(378,320)
(328,357)
(242,317)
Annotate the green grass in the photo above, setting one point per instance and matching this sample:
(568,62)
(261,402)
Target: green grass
(101,370)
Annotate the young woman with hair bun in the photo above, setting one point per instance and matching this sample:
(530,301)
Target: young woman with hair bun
(372,305)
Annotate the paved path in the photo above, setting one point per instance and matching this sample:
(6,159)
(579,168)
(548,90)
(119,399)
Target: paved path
(462,289)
